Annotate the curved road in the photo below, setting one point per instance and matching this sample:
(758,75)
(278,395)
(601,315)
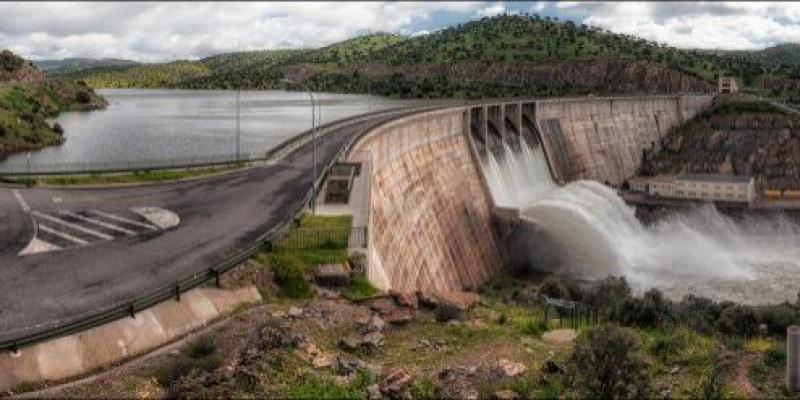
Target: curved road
(219,216)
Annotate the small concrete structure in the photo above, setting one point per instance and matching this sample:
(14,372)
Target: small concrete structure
(332,275)
(727,85)
(712,187)
(793,358)
(75,355)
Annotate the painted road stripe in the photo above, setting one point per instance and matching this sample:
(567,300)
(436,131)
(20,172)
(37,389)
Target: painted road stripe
(62,235)
(123,219)
(71,225)
(99,223)
(21,201)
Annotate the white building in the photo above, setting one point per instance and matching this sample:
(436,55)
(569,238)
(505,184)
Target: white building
(709,187)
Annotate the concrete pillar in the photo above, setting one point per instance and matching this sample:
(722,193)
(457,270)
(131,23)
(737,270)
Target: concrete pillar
(793,358)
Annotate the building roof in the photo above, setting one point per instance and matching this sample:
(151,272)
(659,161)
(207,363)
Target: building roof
(715,178)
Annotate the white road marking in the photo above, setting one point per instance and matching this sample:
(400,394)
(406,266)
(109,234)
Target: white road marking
(100,223)
(164,219)
(71,225)
(123,219)
(57,200)
(21,201)
(38,246)
(62,235)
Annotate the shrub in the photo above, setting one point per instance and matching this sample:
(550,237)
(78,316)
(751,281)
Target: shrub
(606,364)
(553,287)
(359,288)
(609,296)
(200,355)
(446,311)
(668,345)
(83,97)
(776,355)
(652,310)
(290,278)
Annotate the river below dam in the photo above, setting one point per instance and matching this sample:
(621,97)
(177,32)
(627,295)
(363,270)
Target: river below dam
(141,126)
(584,230)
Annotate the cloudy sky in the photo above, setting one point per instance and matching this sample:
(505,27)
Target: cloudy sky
(153,32)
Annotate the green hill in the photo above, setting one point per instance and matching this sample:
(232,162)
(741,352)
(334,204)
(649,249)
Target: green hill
(78,64)
(28,100)
(502,55)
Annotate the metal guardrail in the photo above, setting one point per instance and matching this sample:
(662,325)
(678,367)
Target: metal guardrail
(174,291)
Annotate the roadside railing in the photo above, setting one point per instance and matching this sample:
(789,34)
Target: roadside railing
(17,339)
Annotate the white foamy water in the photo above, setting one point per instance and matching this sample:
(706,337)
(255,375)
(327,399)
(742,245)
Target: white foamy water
(699,251)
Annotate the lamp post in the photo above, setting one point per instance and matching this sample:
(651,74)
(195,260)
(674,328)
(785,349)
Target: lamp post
(313,144)
(238,131)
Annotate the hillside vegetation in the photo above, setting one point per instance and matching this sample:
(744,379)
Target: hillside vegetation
(27,100)
(499,56)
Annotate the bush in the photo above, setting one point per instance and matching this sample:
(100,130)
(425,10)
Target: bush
(553,287)
(775,356)
(609,296)
(359,288)
(199,356)
(605,364)
(290,278)
(652,310)
(668,345)
(445,311)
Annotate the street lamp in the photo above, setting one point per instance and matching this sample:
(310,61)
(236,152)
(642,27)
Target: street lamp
(313,143)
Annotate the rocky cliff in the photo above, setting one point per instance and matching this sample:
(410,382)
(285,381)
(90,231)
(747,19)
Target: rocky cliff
(736,136)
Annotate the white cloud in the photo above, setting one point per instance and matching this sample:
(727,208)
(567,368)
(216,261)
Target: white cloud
(166,31)
(492,10)
(163,31)
(723,25)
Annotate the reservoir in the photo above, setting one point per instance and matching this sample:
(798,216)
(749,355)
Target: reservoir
(144,127)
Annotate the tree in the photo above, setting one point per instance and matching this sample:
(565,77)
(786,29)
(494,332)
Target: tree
(606,364)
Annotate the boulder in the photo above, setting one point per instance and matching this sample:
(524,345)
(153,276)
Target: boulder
(322,362)
(405,299)
(510,368)
(396,384)
(375,324)
(332,275)
(295,312)
(400,317)
(374,392)
(350,343)
(373,339)
(382,306)
(506,395)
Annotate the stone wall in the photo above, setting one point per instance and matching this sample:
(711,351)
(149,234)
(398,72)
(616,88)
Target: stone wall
(429,211)
(603,138)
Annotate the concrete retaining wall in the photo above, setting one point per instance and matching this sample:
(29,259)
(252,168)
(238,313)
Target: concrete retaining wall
(429,212)
(74,355)
(603,138)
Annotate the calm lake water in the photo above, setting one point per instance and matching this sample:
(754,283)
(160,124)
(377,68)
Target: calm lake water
(142,126)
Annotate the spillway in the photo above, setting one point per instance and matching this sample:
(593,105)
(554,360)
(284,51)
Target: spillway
(583,229)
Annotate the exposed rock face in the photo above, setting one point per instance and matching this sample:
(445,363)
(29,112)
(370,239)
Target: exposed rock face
(15,69)
(764,145)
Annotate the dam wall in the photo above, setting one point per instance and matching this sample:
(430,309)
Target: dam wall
(603,138)
(432,220)
(429,211)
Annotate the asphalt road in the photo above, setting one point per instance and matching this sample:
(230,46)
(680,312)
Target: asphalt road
(219,216)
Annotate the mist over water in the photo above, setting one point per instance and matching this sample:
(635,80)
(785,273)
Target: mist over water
(585,230)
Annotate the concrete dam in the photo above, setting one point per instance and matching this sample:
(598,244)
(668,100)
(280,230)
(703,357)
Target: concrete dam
(437,214)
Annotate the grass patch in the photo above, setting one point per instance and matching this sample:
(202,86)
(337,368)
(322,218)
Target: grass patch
(322,387)
(290,264)
(359,288)
(123,178)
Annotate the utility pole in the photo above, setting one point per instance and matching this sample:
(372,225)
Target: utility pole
(238,131)
(313,144)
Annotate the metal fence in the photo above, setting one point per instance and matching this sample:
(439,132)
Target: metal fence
(570,314)
(322,238)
